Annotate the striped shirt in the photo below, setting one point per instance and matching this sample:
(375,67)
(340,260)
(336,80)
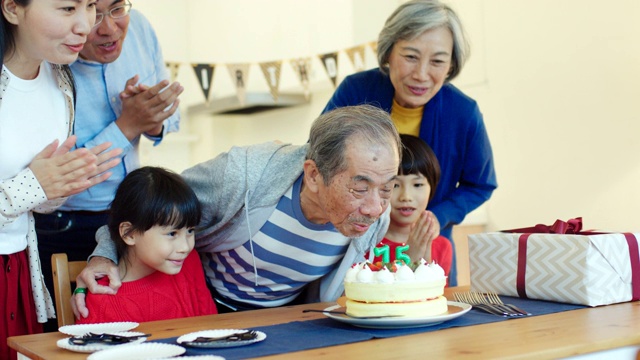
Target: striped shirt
(289,252)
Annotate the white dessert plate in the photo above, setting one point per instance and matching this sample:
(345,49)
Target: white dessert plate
(98,328)
(197,357)
(149,350)
(93,347)
(219,344)
(455,309)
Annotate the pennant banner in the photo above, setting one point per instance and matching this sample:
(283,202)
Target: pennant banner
(302,68)
(374,46)
(271,71)
(330,62)
(173,69)
(356,55)
(204,73)
(239,76)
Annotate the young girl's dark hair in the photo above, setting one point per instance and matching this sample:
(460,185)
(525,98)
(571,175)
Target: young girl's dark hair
(419,158)
(152,196)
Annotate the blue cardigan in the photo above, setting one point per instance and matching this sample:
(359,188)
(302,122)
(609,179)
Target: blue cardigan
(452,125)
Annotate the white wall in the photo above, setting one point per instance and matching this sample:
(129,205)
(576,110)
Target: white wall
(562,111)
(555,79)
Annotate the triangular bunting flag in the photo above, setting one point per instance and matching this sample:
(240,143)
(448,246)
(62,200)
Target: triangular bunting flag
(330,62)
(302,68)
(356,55)
(271,71)
(173,69)
(374,46)
(239,76)
(204,73)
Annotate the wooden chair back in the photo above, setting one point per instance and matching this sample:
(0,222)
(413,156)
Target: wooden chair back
(64,275)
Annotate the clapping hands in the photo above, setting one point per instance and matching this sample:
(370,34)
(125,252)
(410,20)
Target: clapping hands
(145,108)
(421,237)
(62,172)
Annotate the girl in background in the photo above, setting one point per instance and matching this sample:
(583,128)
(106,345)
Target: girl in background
(36,174)
(411,224)
(152,222)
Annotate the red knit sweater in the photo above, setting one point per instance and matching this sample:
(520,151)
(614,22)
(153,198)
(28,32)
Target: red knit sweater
(155,297)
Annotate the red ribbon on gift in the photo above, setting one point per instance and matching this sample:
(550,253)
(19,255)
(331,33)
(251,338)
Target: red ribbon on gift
(632,242)
(573,227)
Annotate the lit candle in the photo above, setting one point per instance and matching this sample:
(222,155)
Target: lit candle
(384,251)
(401,256)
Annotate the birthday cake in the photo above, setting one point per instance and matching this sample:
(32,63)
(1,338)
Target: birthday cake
(395,289)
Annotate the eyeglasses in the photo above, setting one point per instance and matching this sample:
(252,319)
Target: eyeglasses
(115,13)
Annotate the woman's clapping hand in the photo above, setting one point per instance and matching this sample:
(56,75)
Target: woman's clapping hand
(64,172)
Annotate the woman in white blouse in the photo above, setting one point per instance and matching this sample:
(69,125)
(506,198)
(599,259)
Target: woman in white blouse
(37,167)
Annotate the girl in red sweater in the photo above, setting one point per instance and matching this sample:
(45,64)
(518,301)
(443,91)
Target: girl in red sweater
(152,221)
(411,224)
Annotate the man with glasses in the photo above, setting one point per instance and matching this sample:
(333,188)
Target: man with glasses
(282,224)
(123,93)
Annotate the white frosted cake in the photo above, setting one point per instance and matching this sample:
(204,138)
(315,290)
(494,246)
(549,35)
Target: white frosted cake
(374,290)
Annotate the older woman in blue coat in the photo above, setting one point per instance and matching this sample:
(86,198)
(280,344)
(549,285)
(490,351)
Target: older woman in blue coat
(421,48)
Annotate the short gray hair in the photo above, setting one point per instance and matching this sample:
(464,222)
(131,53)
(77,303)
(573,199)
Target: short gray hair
(413,18)
(331,131)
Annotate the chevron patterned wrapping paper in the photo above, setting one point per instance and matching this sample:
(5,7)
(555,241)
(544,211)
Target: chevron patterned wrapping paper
(579,269)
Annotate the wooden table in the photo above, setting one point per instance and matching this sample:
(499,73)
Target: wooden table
(538,337)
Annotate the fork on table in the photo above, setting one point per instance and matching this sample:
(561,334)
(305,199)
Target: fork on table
(491,303)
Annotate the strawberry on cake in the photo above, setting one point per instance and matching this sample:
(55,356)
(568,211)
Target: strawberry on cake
(395,289)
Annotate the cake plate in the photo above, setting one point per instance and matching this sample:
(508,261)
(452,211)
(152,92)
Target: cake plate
(454,310)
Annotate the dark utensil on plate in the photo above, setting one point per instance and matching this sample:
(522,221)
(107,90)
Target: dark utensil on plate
(239,336)
(110,339)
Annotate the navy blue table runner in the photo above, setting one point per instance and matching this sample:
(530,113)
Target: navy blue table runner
(311,334)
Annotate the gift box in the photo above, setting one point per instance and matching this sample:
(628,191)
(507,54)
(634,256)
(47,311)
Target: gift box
(557,263)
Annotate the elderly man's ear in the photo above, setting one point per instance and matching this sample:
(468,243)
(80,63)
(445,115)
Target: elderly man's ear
(312,177)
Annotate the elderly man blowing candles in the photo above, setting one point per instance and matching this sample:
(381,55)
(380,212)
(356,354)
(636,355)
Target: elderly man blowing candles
(283,223)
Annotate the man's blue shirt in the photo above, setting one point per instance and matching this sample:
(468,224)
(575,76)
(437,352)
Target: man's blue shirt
(98,106)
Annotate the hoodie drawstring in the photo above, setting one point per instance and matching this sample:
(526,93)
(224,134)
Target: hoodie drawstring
(246,214)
